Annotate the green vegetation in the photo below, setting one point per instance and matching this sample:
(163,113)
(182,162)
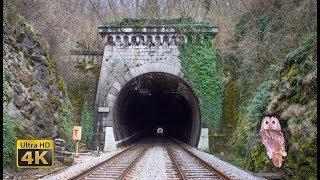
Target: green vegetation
(246,147)
(184,21)
(13,129)
(87,124)
(240,29)
(67,123)
(79,91)
(263,22)
(11,17)
(274,74)
(9,141)
(200,62)
(60,83)
(88,65)
(260,101)
(229,109)
(33,106)
(299,54)
(77,95)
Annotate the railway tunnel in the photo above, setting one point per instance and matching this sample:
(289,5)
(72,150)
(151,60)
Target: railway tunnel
(142,86)
(154,100)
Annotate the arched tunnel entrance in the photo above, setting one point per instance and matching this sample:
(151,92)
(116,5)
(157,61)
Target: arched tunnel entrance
(154,100)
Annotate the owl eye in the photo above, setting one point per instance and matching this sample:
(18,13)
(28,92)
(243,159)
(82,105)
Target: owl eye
(272,122)
(267,122)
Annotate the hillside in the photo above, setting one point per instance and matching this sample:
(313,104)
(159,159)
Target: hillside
(35,100)
(271,69)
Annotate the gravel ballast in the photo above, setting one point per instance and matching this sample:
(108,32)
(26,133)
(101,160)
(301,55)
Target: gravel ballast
(224,167)
(151,166)
(154,164)
(81,163)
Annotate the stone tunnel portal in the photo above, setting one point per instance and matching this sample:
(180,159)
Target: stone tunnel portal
(157,99)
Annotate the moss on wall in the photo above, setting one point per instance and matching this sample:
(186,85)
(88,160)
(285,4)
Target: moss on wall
(229,109)
(77,97)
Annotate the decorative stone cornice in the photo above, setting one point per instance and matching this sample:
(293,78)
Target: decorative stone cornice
(155,29)
(153,32)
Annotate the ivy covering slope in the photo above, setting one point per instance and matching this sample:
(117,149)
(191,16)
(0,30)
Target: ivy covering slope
(200,63)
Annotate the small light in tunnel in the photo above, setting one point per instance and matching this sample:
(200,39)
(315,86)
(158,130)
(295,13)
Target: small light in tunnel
(159,131)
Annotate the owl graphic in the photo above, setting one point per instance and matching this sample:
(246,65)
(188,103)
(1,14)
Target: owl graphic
(273,140)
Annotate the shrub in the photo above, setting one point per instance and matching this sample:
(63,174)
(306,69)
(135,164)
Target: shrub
(240,29)
(77,96)
(67,122)
(299,54)
(87,124)
(235,61)
(5,79)
(61,84)
(263,22)
(87,65)
(272,71)
(9,141)
(307,66)
(260,102)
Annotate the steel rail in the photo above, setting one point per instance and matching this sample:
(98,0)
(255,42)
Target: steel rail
(128,169)
(91,169)
(175,163)
(204,163)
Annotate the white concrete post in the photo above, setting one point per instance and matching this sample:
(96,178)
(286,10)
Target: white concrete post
(109,142)
(204,140)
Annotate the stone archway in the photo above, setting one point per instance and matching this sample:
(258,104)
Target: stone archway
(186,99)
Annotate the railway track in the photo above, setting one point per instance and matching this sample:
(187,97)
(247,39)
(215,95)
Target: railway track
(189,166)
(180,163)
(118,166)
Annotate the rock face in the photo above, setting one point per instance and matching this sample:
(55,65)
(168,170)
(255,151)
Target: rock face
(274,67)
(31,92)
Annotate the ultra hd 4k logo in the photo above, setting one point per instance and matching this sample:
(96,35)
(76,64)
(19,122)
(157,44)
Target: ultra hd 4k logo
(34,153)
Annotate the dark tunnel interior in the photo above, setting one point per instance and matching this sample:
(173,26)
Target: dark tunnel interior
(155,100)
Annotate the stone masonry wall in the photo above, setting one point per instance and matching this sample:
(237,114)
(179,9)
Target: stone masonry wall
(118,61)
(128,53)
